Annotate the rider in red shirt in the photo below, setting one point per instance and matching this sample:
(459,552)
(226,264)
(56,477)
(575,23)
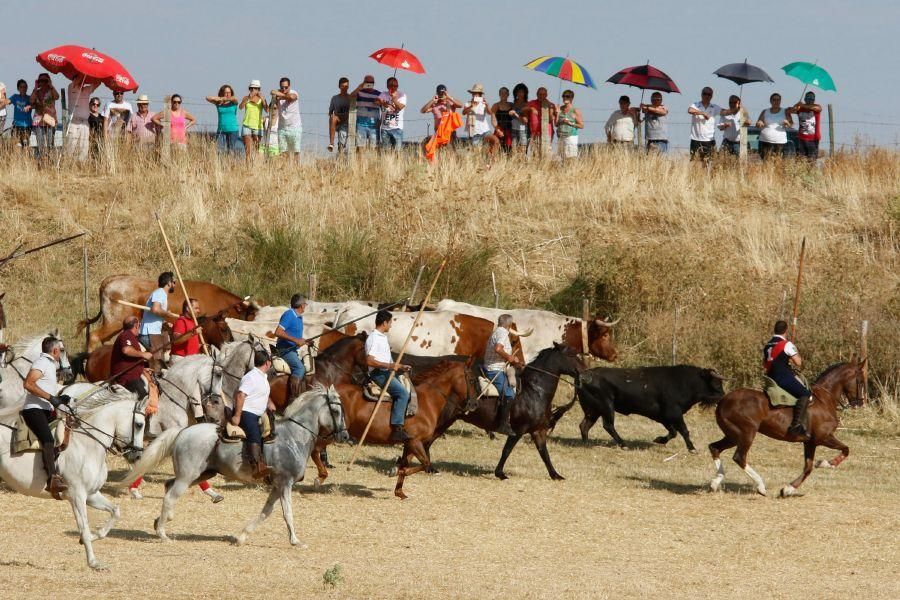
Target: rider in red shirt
(186,341)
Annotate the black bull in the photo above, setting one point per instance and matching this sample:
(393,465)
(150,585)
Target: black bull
(663,394)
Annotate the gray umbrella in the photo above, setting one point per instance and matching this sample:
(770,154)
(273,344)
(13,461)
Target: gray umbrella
(742,73)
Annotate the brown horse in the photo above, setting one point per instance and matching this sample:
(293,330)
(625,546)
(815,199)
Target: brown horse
(744,412)
(94,366)
(443,389)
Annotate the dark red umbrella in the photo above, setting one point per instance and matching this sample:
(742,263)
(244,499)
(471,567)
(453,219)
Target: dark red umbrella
(79,63)
(645,77)
(398,58)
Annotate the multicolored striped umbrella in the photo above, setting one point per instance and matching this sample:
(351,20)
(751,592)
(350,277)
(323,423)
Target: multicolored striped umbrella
(563,67)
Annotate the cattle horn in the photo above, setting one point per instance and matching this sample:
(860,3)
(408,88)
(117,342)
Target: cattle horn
(713,373)
(525,333)
(607,323)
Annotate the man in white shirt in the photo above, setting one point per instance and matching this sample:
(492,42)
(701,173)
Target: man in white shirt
(392,103)
(40,401)
(78,133)
(620,125)
(250,403)
(290,126)
(117,114)
(497,355)
(733,119)
(703,125)
(378,358)
(151,331)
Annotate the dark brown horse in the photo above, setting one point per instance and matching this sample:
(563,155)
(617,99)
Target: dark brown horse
(94,366)
(443,389)
(744,412)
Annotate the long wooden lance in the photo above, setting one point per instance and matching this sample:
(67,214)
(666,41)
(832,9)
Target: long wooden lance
(181,283)
(16,254)
(396,364)
(797,291)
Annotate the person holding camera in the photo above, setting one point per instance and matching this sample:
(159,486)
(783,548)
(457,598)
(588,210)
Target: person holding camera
(441,104)
(368,113)
(43,100)
(41,400)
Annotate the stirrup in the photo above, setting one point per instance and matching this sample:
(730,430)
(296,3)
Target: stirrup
(56,486)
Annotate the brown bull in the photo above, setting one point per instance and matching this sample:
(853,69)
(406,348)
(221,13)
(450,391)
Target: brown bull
(213,299)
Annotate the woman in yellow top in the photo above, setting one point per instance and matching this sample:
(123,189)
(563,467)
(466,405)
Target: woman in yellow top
(254,107)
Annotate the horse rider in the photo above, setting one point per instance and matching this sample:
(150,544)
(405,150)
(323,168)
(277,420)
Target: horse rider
(128,361)
(497,355)
(251,402)
(41,401)
(151,333)
(185,338)
(380,363)
(780,358)
(290,337)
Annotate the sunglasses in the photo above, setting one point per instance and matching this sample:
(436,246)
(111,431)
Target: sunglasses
(176,101)
(95,104)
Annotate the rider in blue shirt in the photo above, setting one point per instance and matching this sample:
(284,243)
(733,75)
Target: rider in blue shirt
(290,337)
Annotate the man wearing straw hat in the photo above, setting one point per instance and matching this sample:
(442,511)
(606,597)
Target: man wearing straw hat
(141,127)
(480,120)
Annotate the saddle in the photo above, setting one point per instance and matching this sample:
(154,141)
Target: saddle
(232,434)
(486,389)
(778,396)
(371,392)
(307,355)
(24,439)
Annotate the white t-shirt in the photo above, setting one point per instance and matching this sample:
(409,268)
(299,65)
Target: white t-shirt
(80,102)
(152,324)
(377,347)
(481,119)
(789,349)
(289,113)
(392,119)
(3,94)
(47,382)
(733,133)
(704,130)
(255,385)
(774,131)
(492,360)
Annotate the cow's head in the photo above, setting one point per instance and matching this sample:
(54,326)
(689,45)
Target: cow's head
(713,389)
(600,341)
(247,309)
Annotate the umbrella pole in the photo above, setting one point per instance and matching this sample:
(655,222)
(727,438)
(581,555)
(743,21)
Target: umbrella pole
(402,44)
(69,123)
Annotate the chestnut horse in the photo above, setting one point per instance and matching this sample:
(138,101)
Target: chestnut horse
(443,389)
(744,412)
(94,366)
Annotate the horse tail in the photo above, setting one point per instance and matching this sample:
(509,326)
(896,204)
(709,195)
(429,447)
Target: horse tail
(155,453)
(85,322)
(79,364)
(559,411)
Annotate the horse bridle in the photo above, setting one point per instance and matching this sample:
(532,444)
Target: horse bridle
(334,421)
(116,446)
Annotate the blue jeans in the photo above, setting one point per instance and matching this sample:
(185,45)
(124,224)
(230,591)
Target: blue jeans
(226,142)
(733,148)
(250,425)
(292,358)
(392,138)
(661,146)
(501,383)
(397,392)
(45,140)
(366,135)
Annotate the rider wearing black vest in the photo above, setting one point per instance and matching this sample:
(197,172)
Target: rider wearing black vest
(780,358)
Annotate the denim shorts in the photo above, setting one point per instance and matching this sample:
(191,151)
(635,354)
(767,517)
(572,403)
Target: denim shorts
(392,138)
(247,131)
(520,137)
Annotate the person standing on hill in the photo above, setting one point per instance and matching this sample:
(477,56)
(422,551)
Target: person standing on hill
(656,124)
(703,125)
(290,126)
(339,116)
(97,126)
(441,104)
(43,101)
(21,102)
(621,123)
(501,110)
(534,112)
(810,127)
(519,118)
(78,132)
(141,127)
(180,121)
(392,103)
(568,124)
(254,107)
(733,119)
(480,122)
(4,102)
(227,129)
(117,114)
(368,113)
(773,124)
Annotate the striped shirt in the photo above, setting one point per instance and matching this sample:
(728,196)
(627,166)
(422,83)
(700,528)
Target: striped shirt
(367,112)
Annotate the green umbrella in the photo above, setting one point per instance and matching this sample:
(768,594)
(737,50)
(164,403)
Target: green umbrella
(810,74)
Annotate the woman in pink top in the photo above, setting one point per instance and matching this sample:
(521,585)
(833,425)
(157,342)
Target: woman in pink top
(179,121)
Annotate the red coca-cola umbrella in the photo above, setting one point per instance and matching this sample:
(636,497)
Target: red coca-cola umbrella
(398,58)
(85,64)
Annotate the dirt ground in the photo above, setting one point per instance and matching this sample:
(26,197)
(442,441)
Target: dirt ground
(623,524)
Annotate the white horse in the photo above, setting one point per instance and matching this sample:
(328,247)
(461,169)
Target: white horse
(104,421)
(16,361)
(197,454)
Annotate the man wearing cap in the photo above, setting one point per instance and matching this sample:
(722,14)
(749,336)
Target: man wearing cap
(290,127)
(117,114)
(441,104)
(140,127)
(290,337)
(480,121)
(809,131)
(368,113)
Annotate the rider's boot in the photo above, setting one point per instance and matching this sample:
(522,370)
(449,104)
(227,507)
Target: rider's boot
(398,434)
(55,484)
(258,462)
(798,424)
(270,415)
(502,421)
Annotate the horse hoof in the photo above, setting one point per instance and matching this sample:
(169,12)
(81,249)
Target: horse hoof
(298,545)
(557,477)
(661,440)
(392,472)
(788,491)
(501,475)
(824,464)
(761,491)
(317,482)
(692,450)
(400,494)
(240,540)
(98,566)
(715,485)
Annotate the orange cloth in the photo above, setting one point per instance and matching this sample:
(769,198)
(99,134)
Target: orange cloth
(450,122)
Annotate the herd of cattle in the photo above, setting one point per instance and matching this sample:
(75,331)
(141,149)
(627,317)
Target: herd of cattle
(451,329)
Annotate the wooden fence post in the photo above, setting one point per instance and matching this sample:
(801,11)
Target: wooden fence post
(311,286)
(830,130)
(351,129)
(585,320)
(87,328)
(165,147)
(545,130)
(864,354)
(675,337)
(496,293)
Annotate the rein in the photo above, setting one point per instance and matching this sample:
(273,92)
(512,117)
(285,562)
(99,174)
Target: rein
(334,430)
(85,428)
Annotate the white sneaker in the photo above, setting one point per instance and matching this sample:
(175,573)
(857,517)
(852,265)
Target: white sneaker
(136,494)
(215,496)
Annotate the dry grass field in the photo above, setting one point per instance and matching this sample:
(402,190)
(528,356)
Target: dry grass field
(639,237)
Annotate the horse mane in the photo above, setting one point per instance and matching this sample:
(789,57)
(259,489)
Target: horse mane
(543,354)
(22,346)
(101,396)
(434,371)
(828,371)
(297,405)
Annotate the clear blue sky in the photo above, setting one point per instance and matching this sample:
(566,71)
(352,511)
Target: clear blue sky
(191,47)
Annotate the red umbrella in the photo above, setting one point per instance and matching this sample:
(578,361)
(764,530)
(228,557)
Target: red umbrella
(398,58)
(80,63)
(646,78)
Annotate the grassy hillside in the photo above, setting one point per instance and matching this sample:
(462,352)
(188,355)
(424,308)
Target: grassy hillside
(639,236)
